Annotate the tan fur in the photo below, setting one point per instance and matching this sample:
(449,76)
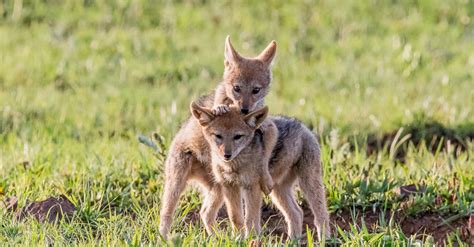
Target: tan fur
(195,154)
(293,150)
(232,133)
(248,74)
(242,77)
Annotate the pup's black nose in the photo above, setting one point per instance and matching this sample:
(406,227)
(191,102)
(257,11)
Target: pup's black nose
(227,156)
(244,110)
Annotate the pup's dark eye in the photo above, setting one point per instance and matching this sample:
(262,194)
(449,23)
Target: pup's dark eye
(256,90)
(237,137)
(218,136)
(237,89)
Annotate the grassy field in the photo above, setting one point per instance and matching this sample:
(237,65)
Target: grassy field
(80,80)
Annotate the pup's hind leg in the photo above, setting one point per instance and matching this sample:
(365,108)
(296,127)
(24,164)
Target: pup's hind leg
(283,197)
(177,168)
(311,183)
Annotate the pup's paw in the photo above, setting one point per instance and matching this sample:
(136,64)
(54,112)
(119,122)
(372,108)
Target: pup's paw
(266,186)
(220,109)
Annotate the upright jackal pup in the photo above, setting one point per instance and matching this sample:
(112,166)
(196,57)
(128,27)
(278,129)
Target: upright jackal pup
(245,84)
(236,146)
(236,151)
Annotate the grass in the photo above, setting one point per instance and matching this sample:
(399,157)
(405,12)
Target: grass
(80,80)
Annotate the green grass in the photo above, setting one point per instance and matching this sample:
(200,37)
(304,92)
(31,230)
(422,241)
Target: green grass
(79,80)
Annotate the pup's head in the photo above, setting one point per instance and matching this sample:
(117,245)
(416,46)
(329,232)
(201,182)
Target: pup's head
(247,80)
(229,133)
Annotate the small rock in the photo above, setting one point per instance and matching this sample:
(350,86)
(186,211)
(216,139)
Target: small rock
(255,243)
(25,164)
(438,200)
(407,190)
(467,232)
(470,224)
(11,204)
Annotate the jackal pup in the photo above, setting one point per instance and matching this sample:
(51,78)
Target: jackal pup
(246,80)
(245,84)
(236,147)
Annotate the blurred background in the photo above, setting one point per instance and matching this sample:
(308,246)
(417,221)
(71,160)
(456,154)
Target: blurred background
(132,65)
(79,80)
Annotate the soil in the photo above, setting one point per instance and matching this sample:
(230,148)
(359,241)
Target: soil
(428,223)
(49,210)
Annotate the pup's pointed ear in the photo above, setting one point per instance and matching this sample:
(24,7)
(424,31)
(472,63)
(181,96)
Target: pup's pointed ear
(267,55)
(256,118)
(230,54)
(202,114)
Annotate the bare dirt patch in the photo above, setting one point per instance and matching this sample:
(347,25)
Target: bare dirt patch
(49,210)
(428,223)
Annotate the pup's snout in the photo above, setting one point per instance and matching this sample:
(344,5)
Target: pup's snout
(227,156)
(244,110)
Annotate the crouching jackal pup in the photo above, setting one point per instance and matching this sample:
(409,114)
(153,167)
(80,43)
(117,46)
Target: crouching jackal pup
(245,84)
(236,146)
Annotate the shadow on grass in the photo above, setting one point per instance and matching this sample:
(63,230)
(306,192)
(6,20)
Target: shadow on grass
(428,133)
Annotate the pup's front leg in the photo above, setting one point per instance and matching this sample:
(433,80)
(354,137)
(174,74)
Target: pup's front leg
(220,101)
(266,180)
(270,136)
(220,110)
(210,207)
(233,203)
(253,204)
